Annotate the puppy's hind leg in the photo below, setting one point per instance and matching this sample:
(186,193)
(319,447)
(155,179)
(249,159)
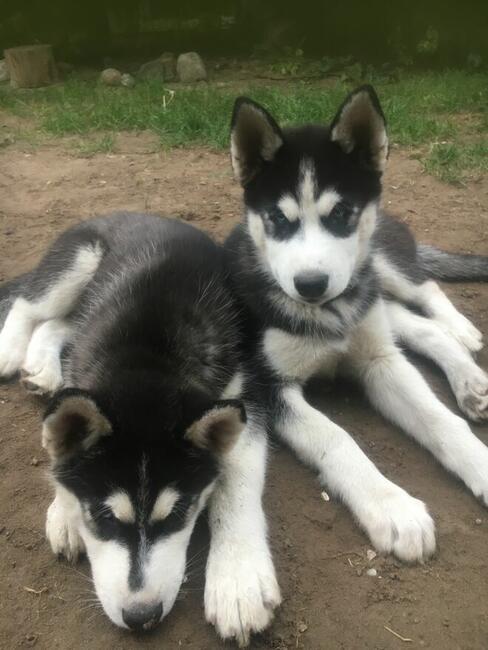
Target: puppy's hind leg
(41,371)
(429,297)
(434,302)
(425,336)
(52,292)
(400,392)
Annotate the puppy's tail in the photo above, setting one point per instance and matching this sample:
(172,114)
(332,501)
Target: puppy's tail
(452,267)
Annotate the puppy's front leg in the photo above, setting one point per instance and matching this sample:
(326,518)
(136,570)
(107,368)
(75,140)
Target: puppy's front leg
(395,521)
(241,590)
(400,392)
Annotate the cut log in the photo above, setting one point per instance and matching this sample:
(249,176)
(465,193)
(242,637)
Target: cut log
(31,66)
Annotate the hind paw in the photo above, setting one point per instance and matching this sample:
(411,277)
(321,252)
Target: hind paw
(11,358)
(472,395)
(465,333)
(62,532)
(47,381)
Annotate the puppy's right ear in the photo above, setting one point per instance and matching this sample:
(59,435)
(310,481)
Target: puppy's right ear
(255,138)
(72,424)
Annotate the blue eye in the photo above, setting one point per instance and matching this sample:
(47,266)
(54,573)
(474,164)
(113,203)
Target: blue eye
(277,216)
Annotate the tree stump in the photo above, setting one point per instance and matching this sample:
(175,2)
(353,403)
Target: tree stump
(31,66)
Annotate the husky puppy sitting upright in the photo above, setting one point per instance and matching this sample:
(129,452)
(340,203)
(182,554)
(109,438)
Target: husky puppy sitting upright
(144,426)
(329,282)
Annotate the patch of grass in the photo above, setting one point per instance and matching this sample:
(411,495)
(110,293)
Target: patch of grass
(103,144)
(453,163)
(421,108)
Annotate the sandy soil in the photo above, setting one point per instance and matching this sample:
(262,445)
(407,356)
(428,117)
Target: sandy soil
(329,602)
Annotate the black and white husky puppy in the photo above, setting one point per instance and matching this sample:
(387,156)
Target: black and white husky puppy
(332,283)
(144,426)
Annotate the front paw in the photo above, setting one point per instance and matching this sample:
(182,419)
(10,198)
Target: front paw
(400,524)
(62,532)
(241,591)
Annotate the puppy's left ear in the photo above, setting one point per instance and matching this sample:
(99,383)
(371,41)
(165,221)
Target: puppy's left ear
(254,139)
(360,128)
(218,429)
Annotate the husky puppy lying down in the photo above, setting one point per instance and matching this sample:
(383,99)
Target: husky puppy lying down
(129,321)
(331,284)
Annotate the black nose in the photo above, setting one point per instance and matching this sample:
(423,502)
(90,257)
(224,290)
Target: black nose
(311,285)
(143,617)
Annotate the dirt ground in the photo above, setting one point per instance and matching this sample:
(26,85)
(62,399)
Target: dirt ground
(329,602)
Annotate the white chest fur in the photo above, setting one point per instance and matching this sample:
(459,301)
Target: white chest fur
(300,357)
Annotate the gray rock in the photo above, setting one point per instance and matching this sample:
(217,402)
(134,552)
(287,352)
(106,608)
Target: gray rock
(4,73)
(190,68)
(127,80)
(168,60)
(162,68)
(111,77)
(152,70)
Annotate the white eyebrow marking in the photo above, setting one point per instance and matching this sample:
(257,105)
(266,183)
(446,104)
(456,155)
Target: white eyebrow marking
(288,205)
(326,201)
(164,504)
(121,506)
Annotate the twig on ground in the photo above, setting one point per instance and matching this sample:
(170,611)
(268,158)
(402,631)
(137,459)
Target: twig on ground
(399,636)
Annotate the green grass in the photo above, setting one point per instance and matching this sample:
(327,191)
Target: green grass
(102,144)
(452,162)
(422,110)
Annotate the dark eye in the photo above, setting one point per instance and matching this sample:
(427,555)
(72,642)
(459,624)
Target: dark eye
(341,211)
(277,216)
(340,220)
(104,516)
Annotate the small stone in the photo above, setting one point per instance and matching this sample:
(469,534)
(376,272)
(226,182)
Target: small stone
(4,73)
(190,68)
(416,621)
(325,496)
(111,77)
(302,627)
(478,522)
(127,80)
(372,573)
(34,461)
(370,555)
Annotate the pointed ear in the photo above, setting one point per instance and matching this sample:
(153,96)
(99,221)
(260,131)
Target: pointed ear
(72,423)
(360,128)
(255,138)
(218,429)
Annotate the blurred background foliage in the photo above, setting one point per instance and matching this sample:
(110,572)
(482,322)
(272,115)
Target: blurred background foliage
(406,33)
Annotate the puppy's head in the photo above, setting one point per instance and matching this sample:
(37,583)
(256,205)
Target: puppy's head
(136,497)
(311,193)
